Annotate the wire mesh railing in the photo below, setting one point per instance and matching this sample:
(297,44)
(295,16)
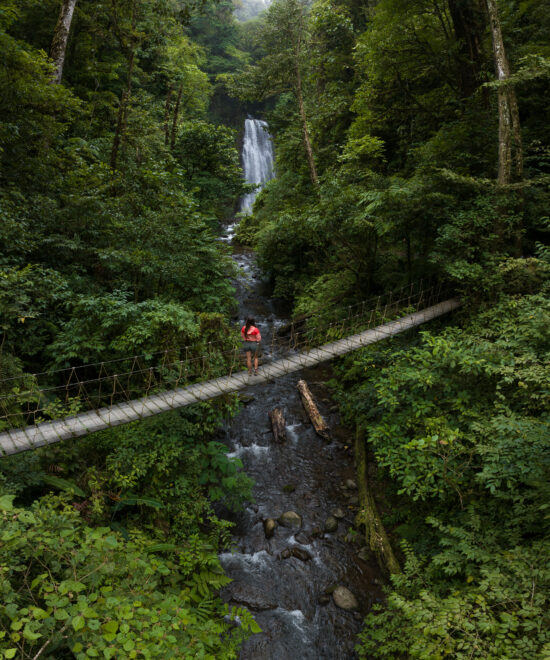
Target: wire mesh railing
(32,399)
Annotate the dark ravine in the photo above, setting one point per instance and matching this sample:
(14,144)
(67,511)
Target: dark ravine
(287,579)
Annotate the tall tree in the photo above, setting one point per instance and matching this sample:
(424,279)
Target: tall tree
(61,37)
(510,147)
(285,38)
(128,43)
(467,29)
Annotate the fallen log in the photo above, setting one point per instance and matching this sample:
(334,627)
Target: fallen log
(278,424)
(375,533)
(319,424)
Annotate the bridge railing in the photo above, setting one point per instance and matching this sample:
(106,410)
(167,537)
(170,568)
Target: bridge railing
(31,399)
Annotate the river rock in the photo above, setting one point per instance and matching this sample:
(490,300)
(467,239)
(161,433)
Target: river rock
(351,484)
(331,524)
(338,513)
(301,554)
(354,500)
(269,527)
(316,532)
(253,597)
(324,599)
(302,538)
(364,553)
(290,519)
(285,554)
(344,599)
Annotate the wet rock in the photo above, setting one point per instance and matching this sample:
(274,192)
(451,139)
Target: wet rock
(302,538)
(290,519)
(364,553)
(338,513)
(245,399)
(316,532)
(351,484)
(252,597)
(331,524)
(301,554)
(285,554)
(354,500)
(269,527)
(324,599)
(344,599)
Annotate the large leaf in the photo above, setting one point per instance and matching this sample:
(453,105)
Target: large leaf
(63,484)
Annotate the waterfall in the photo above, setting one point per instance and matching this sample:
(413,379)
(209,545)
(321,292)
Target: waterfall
(257,158)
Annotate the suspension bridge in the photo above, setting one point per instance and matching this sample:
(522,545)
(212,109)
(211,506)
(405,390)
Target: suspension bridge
(42,409)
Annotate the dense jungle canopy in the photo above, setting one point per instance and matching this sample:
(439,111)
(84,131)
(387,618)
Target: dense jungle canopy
(412,140)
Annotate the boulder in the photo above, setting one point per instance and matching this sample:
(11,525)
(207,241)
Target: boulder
(364,553)
(269,527)
(252,597)
(302,538)
(331,524)
(344,599)
(290,519)
(301,554)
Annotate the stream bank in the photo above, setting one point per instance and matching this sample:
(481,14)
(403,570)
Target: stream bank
(287,580)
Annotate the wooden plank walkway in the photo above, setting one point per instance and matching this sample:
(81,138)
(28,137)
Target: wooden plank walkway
(18,440)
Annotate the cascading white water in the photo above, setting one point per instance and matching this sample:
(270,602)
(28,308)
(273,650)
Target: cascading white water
(257,158)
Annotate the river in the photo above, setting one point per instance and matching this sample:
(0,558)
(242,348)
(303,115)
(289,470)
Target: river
(291,597)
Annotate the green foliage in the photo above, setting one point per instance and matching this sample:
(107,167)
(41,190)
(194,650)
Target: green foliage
(112,185)
(210,161)
(497,610)
(68,588)
(460,422)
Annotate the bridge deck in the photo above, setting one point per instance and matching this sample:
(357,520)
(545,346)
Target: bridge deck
(18,440)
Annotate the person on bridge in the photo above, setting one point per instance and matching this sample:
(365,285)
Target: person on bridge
(252,339)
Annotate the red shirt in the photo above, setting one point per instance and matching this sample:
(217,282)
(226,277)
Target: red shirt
(253,334)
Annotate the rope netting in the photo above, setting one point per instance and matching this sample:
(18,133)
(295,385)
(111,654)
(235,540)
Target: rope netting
(32,399)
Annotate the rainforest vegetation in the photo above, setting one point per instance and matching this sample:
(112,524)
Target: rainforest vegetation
(412,140)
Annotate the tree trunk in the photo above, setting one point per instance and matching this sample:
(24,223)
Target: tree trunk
(175,121)
(375,534)
(167,116)
(509,132)
(319,424)
(61,37)
(467,32)
(122,114)
(307,141)
(278,424)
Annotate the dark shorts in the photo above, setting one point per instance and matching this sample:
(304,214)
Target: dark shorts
(254,347)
